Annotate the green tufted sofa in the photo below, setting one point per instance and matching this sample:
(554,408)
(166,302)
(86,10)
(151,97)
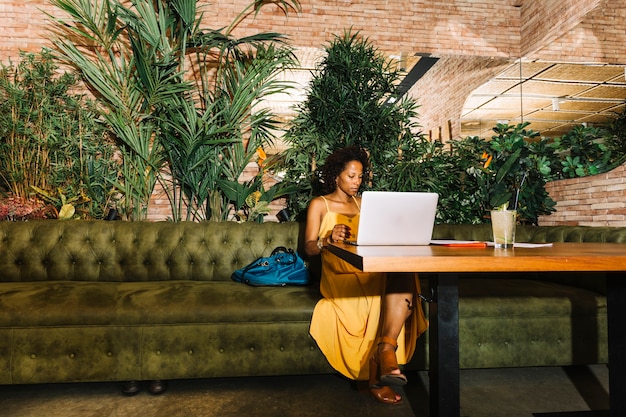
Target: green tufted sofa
(107,301)
(98,301)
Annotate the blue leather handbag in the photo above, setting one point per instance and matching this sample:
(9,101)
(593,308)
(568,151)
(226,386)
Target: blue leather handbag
(282,267)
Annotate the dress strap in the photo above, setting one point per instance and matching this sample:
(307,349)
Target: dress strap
(326,202)
(357,203)
(353,197)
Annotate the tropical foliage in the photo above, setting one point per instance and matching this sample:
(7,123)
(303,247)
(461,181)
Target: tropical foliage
(615,138)
(185,107)
(440,168)
(351,100)
(514,172)
(583,152)
(51,143)
(182,100)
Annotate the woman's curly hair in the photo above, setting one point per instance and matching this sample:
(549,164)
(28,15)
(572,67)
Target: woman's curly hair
(336,162)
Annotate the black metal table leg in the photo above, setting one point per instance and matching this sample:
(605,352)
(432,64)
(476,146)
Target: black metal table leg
(616,317)
(444,347)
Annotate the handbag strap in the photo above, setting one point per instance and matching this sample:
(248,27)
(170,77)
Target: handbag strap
(289,251)
(279,249)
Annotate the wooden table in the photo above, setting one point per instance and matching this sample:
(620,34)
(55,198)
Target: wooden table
(448,262)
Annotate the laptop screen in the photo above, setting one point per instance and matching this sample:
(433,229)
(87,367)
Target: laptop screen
(396,218)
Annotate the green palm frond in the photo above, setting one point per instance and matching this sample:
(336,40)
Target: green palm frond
(199,117)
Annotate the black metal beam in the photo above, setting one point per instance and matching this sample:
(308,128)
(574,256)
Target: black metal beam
(419,69)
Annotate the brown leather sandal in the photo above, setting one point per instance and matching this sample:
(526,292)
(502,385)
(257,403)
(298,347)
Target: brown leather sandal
(389,363)
(381,393)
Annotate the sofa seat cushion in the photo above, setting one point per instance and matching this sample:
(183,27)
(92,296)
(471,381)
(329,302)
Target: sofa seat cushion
(61,303)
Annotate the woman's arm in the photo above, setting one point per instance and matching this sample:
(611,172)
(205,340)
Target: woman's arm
(315,213)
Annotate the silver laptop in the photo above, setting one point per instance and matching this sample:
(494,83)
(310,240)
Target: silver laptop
(396,218)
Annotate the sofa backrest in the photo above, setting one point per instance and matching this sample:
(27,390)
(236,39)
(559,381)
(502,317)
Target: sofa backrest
(209,251)
(535,234)
(135,251)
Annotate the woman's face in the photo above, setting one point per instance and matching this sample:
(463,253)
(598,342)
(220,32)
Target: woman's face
(350,178)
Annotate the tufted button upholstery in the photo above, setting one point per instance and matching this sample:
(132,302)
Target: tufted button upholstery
(102,301)
(535,234)
(135,251)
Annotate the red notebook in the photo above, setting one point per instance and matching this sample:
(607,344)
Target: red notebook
(460,243)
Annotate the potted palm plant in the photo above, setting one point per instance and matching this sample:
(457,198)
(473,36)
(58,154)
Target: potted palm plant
(179,98)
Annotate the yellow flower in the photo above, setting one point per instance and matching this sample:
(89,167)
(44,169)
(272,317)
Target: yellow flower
(488,161)
(262,156)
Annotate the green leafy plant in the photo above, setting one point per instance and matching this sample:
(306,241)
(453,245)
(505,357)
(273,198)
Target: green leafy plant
(434,167)
(50,138)
(65,207)
(351,101)
(513,174)
(181,100)
(92,41)
(615,138)
(583,152)
(247,76)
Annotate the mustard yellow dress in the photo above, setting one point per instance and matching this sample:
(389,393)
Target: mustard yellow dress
(345,321)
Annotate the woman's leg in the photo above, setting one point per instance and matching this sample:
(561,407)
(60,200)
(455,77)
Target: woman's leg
(397,303)
(397,308)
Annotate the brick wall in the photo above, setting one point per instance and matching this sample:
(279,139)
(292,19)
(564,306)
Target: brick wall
(598,200)
(543,22)
(464,27)
(438,97)
(472,27)
(600,36)
(489,32)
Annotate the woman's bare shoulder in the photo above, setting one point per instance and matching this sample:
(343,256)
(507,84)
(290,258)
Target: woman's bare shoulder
(317,203)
